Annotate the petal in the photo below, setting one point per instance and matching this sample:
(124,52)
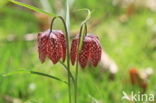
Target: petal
(53,50)
(61,39)
(42,45)
(84,54)
(95,51)
(74,50)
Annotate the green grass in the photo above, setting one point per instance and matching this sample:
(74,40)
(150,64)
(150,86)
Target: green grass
(127,43)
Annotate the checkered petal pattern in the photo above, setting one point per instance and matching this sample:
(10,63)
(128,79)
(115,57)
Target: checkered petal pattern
(51,45)
(89,53)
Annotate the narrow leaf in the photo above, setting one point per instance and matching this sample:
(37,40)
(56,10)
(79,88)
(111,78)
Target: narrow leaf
(87,17)
(67,16)
(32,72)
(47,75)
(15,73)
(31,7)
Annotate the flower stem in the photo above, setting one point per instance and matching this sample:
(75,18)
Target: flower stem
(68,58)
(76,79)
(71,75)
(81,36)
(68,53)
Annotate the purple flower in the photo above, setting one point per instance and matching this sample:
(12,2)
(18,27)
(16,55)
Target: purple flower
(51,45)
(90,51)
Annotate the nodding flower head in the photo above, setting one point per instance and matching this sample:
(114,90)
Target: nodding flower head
(51,45)
(90,51)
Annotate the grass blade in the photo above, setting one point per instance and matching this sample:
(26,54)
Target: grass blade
(47,75)
(32,72)
(15,72)
(67,16)
(31,7)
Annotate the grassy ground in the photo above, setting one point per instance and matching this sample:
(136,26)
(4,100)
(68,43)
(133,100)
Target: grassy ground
(130,44)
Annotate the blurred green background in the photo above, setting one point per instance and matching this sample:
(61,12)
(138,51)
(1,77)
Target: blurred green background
(127,31)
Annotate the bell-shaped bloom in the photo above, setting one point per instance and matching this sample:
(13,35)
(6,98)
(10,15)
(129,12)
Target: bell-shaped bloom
(51,45)
(89,53)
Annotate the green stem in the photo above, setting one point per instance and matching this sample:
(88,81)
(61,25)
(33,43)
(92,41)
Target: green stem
(68,52)
(68,58)
(83,26)
(71,75)
(76,79)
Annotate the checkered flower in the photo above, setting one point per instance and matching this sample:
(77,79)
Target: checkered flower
(52,46)
(90,51)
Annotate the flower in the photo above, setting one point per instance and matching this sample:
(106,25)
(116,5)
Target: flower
(51,45)
(90,51)
(137,79)
(134,75)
